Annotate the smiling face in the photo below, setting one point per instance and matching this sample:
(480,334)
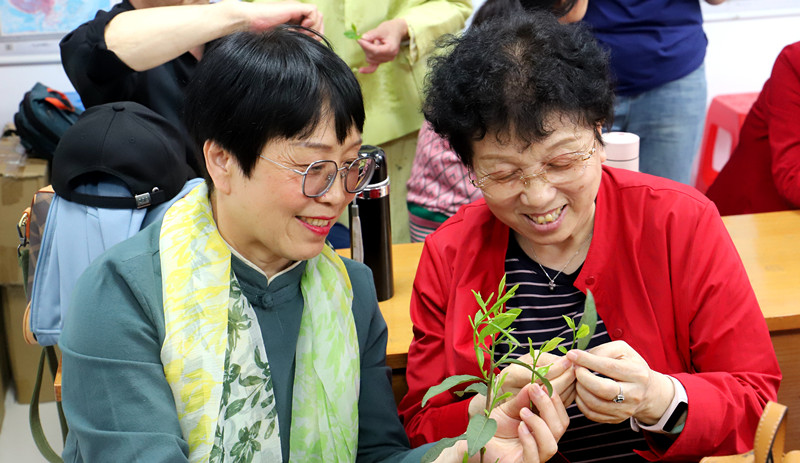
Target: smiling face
(543,214)
(266,217)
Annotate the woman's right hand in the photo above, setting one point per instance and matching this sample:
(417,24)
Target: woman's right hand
(561,376)
(521,436)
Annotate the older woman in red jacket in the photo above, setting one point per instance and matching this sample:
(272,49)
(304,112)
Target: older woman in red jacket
(665,376)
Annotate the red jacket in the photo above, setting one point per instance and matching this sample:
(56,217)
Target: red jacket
(667,280)
(763,173)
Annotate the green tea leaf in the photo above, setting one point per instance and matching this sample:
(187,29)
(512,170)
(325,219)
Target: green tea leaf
(480,357)
(582,332)
(570,322)
(501,399)
(551,344)
(480,300)
(544,369)
(479,388)
(479,431)
(508,295)
(433,453)
(520,363)
(589,318)
(545,382)
(490,329)
(562,349)
(447,384)
(352,33)
(502,284)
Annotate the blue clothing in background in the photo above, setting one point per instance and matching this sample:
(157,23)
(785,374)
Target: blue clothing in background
(656,49)
(651,42)
(669,121)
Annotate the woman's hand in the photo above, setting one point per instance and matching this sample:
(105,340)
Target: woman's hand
(647,393)
(382,44)
(522,436)
(263,16)
(561,376)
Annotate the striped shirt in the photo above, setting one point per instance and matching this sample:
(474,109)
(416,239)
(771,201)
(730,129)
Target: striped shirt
(541,320)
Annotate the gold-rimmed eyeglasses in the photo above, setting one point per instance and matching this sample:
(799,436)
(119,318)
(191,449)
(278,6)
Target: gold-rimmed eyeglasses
(556,171)
(319,176)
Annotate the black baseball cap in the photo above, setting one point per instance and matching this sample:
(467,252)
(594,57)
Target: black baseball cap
(127,141)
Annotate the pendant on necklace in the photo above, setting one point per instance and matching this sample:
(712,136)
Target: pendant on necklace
(552,285)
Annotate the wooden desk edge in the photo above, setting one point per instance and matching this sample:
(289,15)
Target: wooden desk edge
(783,323)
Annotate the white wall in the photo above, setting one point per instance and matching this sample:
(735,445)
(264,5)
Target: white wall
(741,52)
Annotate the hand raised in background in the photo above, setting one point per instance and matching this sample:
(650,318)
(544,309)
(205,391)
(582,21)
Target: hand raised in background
(382,44)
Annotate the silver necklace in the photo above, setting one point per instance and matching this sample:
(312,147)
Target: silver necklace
(552,283)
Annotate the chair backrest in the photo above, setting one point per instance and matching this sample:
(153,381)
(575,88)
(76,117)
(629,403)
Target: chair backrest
(726,112)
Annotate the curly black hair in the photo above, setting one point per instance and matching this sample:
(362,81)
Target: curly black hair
(509,76)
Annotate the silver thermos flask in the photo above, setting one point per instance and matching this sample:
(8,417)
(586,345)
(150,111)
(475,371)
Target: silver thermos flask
(371,227)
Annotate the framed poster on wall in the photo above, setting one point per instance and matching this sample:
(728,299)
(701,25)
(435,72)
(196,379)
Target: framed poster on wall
(31,29)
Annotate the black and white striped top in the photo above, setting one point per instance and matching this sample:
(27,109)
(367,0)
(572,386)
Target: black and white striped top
(541,320)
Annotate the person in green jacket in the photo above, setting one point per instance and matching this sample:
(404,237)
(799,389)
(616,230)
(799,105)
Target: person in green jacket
(229,330)
(388,51)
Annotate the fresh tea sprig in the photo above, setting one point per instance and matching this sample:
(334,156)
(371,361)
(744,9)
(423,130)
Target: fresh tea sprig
(490,327)
(353,33)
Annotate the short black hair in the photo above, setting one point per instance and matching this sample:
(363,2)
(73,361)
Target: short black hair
(510,75)
(254,87)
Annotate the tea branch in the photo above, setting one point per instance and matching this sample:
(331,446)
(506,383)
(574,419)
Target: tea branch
(490,327)
(352,33)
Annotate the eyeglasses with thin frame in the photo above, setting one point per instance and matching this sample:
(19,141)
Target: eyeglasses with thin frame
(556,171)
(319,176)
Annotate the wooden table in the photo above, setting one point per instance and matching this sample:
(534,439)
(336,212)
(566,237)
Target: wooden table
(769,245)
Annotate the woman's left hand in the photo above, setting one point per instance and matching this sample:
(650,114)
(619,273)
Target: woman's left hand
(382,44)
(646,393)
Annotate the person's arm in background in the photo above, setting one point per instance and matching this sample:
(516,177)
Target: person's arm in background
(783,124)
(137,37)
(421,23)
(101,72)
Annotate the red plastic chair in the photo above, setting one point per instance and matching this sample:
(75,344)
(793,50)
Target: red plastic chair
(726,112)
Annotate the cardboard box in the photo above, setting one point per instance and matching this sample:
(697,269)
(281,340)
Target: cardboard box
(23,357)
(18,183)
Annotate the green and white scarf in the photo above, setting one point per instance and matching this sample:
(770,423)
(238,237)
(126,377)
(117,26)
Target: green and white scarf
(214,357)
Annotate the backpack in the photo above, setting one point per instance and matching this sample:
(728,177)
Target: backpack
(115,170)
(58,240)
(44,115)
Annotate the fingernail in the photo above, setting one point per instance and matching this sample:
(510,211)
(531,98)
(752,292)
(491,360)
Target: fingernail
(572,355)
(525,413)
(538,390)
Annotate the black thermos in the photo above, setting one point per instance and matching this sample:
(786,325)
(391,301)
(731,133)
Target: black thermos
(371,209)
